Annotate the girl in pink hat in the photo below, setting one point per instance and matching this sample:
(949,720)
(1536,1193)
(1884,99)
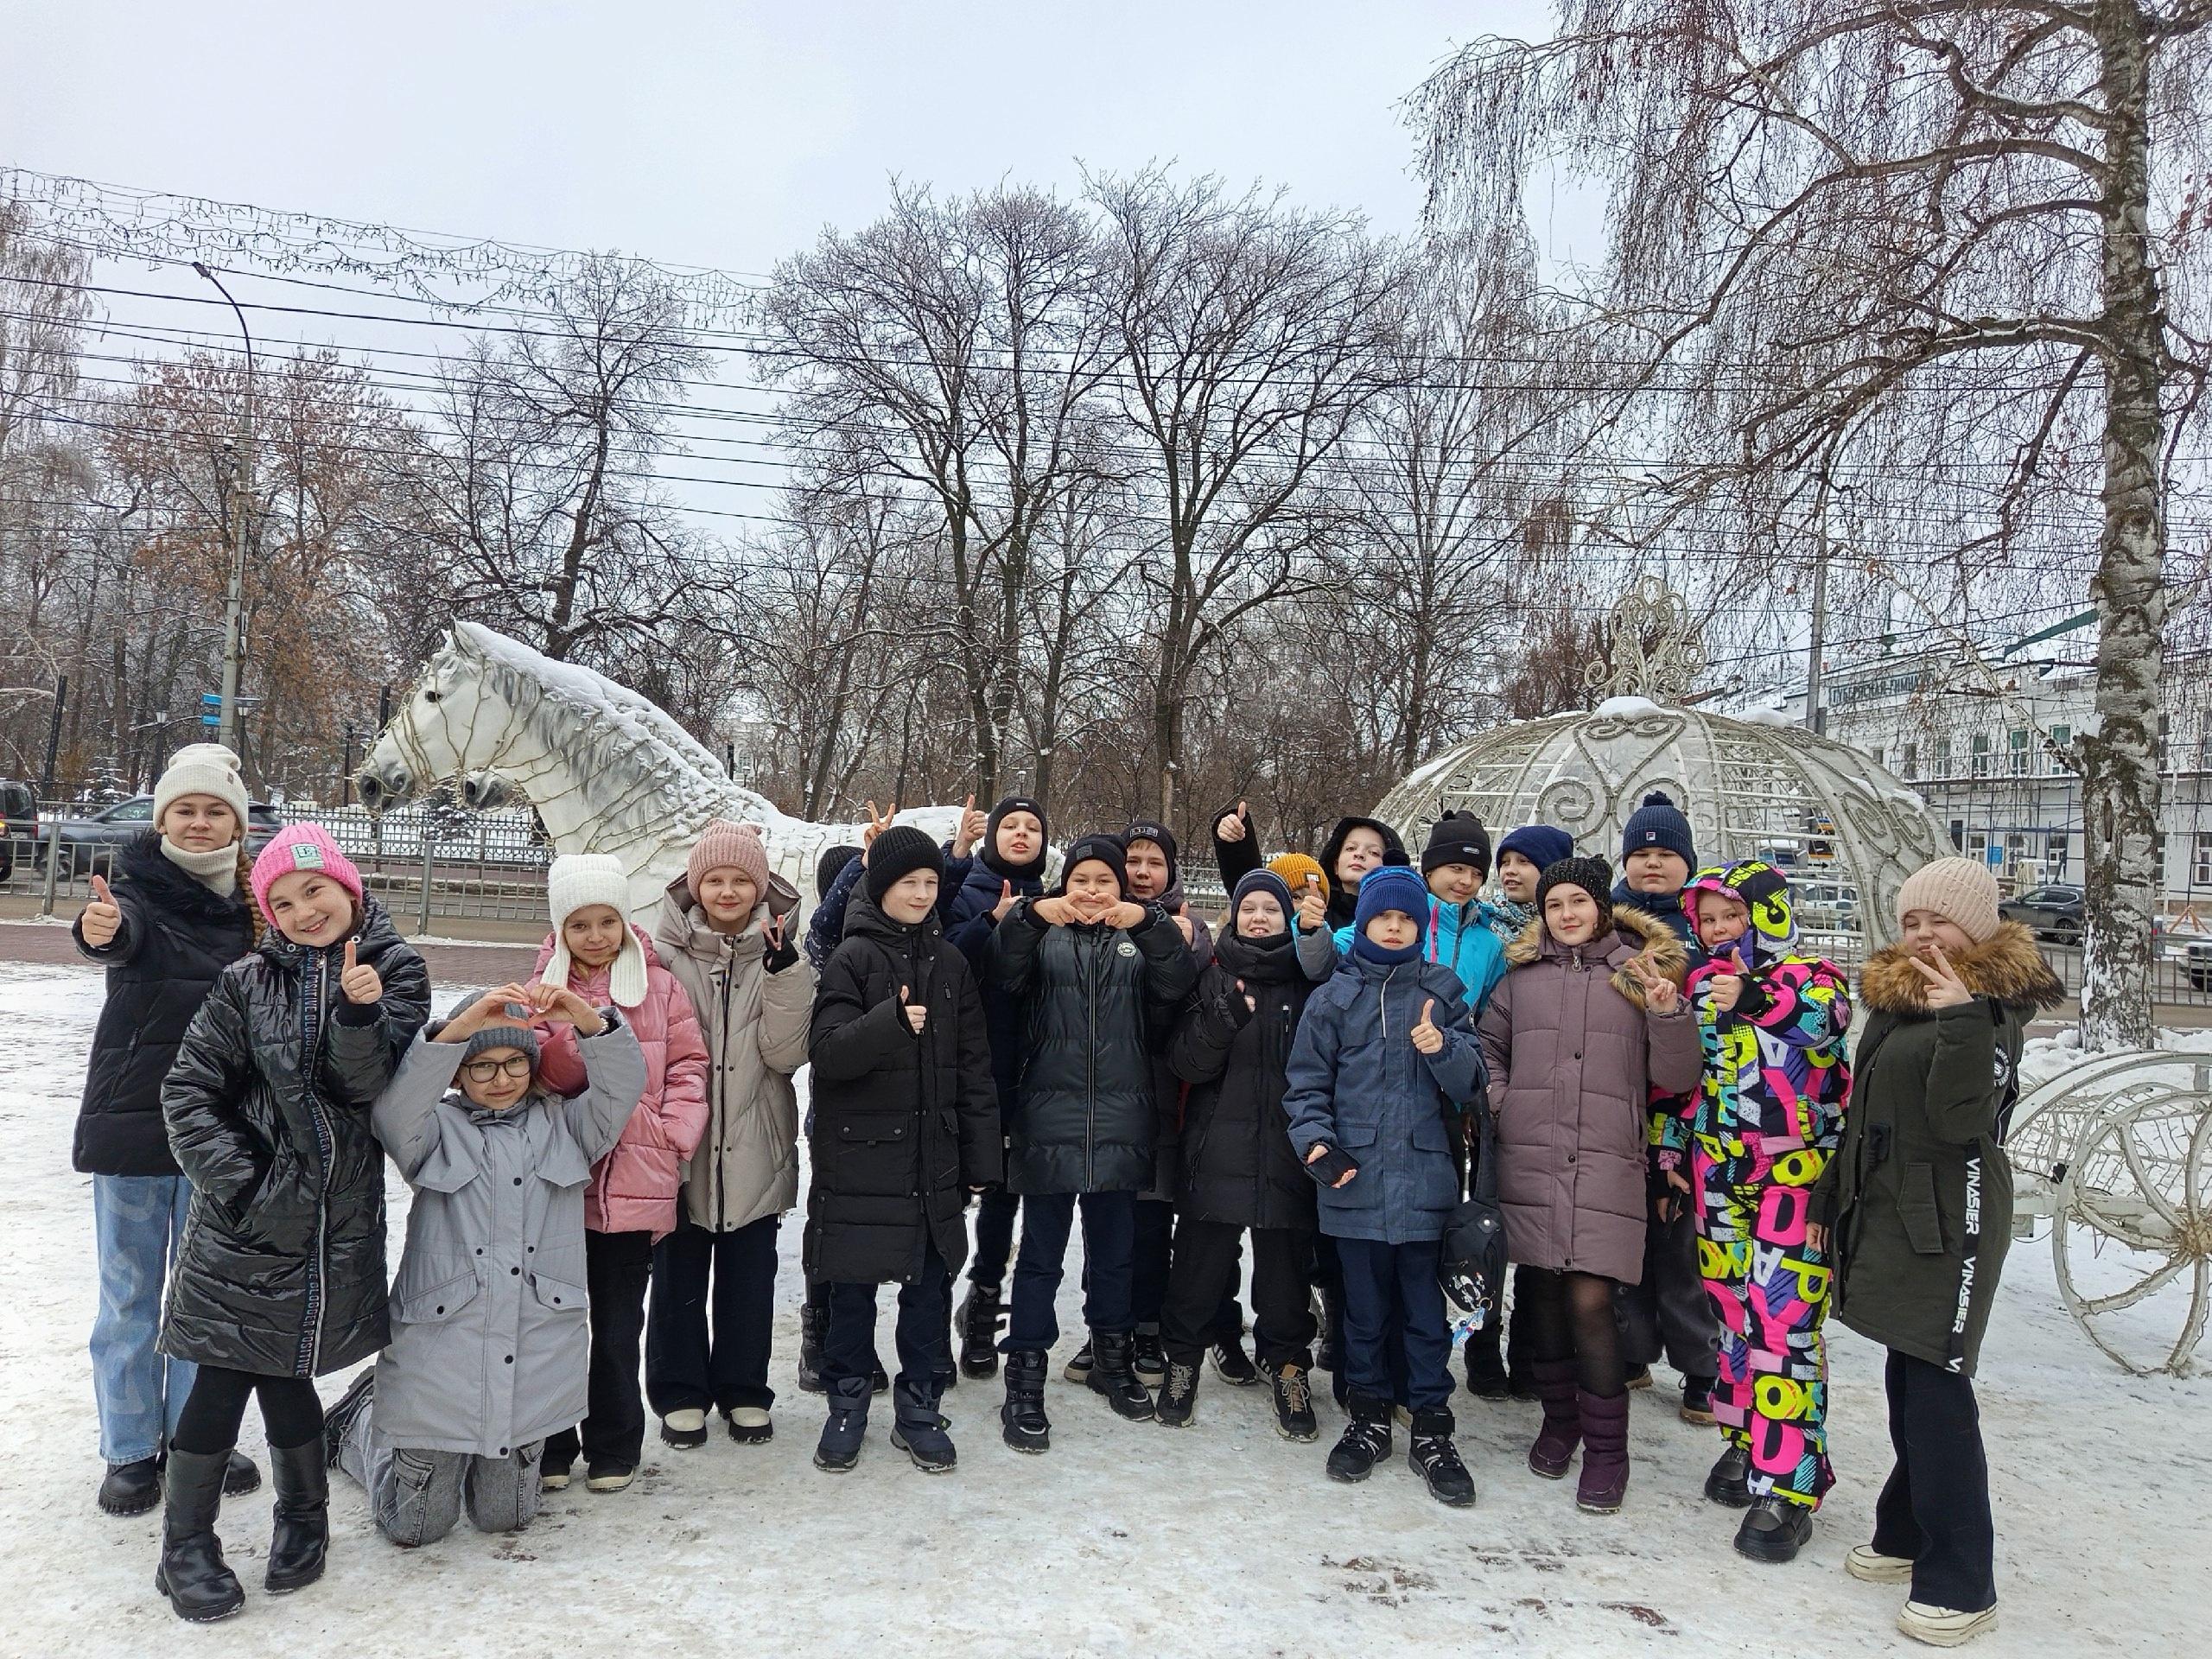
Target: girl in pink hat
(281,1278)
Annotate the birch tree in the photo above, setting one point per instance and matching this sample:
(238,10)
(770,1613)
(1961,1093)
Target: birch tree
(1929,246)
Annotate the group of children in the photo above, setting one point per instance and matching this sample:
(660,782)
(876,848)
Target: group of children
(1656,1069)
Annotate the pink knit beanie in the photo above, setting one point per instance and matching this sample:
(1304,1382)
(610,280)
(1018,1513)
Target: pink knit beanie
(723,844)
(301,847)
(1962,889)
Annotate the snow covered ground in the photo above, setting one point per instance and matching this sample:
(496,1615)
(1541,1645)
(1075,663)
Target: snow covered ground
(1126,1538)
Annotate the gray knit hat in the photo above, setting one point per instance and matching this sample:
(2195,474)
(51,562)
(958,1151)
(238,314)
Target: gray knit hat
(490,1037)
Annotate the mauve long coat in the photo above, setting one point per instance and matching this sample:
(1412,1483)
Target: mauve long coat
(1573,1055)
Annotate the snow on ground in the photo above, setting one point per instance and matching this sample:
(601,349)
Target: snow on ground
(1125,1538)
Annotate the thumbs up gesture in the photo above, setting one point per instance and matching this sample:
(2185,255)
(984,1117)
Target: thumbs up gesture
(357,980)
(1312,906)
(973,824)
(102,919)
(1005,903)
(1233,826)
(1427,1038)
(917,1013)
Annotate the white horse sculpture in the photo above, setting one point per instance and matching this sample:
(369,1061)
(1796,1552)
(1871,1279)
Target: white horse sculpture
(607,769)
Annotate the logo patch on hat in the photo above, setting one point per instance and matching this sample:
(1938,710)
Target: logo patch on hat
(306,855)
(1651,835)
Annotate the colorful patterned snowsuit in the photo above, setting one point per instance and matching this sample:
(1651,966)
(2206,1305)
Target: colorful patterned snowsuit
(1763,1126)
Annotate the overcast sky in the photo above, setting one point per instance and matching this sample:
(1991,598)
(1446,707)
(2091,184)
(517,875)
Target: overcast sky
(719,133)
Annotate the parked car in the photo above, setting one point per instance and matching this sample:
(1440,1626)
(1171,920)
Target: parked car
(1831,905)
(18,823)
(88,842)
(2051,912)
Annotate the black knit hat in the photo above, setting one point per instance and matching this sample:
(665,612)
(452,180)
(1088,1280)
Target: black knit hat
(1592,874)
(900,850)
(830,866)
(1102,849)
(990,851)
(1659,823)
(1456,838)
(1160,834)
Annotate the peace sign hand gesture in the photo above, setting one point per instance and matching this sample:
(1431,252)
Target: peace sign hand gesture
(1944,988)
(876,825)
(1661,994)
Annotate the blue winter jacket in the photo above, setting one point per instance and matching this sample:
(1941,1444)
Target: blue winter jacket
(967,929)
(1459,938)
(1358,1083)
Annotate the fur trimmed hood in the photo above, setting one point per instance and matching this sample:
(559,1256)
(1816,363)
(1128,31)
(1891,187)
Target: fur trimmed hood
(2005,967)
(1634,934)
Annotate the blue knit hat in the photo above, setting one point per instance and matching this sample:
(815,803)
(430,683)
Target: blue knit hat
(1392,887)
(1541,844)
(1659,823)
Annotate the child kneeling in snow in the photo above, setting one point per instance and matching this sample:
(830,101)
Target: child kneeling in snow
(491,1339)
(1384,1062)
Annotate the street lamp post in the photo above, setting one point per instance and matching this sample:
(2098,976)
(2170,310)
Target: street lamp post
(241,499)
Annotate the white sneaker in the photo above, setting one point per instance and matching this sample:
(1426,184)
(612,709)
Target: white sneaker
(1869,1566)
(1940,1627)
(554,1481)
(749,1425)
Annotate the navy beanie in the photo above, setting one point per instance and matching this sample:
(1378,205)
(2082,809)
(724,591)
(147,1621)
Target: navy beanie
(1390,887)
(1541,844)
(830,866)
(1659,823)
(1161,837)
(1267,882)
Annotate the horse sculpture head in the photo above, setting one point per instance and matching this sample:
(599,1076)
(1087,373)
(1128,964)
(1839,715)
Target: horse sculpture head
(435,734)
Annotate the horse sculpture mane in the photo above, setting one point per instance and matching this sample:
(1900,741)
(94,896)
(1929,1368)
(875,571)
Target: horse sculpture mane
(607,770)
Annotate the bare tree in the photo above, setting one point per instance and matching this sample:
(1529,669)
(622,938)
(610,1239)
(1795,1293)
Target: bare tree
(1252,336)
(1920,246)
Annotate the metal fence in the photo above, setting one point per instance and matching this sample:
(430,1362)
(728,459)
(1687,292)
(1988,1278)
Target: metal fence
(426,868)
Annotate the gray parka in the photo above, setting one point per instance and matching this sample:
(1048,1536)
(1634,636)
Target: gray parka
(754,1022)
(491,1342)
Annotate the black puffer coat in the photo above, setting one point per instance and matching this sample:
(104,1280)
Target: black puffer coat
(1085,1112)
(903,1124)
(1238,1164)
(281,1272)
(177,936)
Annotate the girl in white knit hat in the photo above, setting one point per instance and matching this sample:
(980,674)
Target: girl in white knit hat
(630,1201)
(175,911)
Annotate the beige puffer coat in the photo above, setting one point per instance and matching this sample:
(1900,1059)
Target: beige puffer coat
(755,1024)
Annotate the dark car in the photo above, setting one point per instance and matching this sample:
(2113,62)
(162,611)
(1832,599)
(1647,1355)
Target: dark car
(2051,912)
(18,824)
(89,843)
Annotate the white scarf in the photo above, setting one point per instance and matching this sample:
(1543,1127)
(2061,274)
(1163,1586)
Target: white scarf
(217,871)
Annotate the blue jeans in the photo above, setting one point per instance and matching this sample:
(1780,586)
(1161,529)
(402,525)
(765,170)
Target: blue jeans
(1394,1287)
(1109,1226)
(137,1223)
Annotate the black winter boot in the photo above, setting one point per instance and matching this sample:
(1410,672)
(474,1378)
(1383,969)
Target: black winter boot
(1486,1378)
(1366,1438)
(1027,1429)
(1436,1460)
(132,1488)
(300,1543)
(1774,1529)
(1149,1358)
(1110,1376)
(1729,1485)
(1179,1396)
(1234,1364)
(1078,1369)
(981,1312)
(192,1574)
(240,1477)
(846,1427)
(813,1325)
(919,1431)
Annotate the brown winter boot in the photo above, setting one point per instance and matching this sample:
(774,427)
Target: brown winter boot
(1554,1448)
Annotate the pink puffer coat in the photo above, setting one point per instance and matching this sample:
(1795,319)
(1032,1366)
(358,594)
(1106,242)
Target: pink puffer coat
(633,1188)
